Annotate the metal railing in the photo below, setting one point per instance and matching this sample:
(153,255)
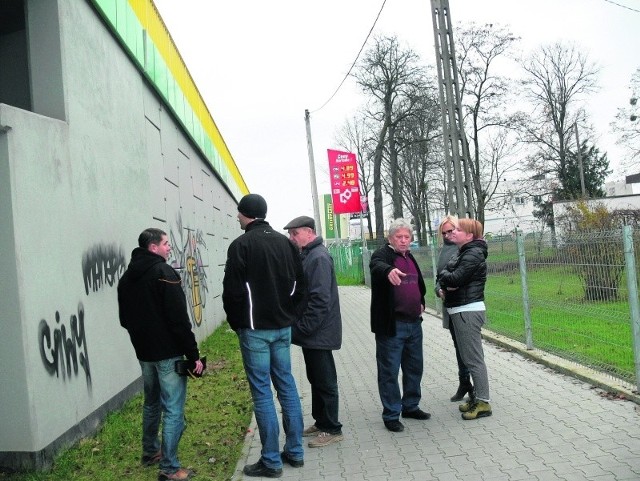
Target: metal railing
(574,295)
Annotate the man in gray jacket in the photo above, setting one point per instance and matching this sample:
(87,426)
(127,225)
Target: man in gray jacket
(318,331)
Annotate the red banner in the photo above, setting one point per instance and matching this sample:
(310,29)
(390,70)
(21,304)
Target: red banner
(345,190)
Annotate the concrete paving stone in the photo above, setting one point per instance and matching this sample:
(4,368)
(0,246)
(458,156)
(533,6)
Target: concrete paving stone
(422,476)
(517,474)
(465,470)
(592,469)
(606,461)
(535,421)
(572,476)
(412,456)
(452,476)
(454,451)
(353,468)
(546,475)
(622,453)
(591,449)
(537,466)
(577,459)
(552,457)
(332,472)
(526,457)
(483,460)
(392,463)
(623,472)
(507,462)
(491,472)
(542,449)
(355,477)
(415,465)
(441,467)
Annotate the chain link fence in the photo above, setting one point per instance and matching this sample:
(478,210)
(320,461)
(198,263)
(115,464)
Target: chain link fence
(573,294)
(347,261)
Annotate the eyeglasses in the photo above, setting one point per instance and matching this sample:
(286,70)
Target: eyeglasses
(447,232)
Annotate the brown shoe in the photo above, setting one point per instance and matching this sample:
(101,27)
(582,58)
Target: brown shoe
(180,475)
(324,439)
(311,431)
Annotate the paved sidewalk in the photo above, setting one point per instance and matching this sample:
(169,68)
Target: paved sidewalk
(545,425)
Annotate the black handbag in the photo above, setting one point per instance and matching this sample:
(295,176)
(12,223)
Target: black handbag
(186,367)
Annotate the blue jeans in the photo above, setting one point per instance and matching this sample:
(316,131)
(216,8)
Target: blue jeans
(402,350)
(266,355)
(165,393)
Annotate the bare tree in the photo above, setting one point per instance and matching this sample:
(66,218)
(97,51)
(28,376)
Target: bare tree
(358,136)
(627,122)
(559,78)
(390,75)
(484,96)
(420,157)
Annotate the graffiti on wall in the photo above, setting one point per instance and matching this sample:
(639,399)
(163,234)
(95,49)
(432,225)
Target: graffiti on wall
(62,349)
(102,264)
(186,257)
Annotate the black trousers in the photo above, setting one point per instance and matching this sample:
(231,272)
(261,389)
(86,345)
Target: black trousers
(321,373)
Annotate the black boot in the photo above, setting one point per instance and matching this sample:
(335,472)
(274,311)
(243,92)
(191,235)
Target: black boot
(464,388)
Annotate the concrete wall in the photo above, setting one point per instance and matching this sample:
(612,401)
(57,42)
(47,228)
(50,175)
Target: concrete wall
(75,192)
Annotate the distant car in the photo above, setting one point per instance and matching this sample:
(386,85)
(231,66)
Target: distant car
(414,245)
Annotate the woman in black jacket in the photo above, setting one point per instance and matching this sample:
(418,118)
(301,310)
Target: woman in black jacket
(462,282)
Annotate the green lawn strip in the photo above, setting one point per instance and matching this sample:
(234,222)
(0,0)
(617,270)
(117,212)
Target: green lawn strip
(596,334)
(218,414)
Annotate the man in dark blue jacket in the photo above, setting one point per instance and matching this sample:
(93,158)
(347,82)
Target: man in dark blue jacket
(153,308)
(318,331)
(262,287)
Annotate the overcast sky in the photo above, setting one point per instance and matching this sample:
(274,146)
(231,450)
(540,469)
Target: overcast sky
(259,65)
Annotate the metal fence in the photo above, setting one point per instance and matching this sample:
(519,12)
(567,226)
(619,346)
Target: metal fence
(574,295)
(347,260)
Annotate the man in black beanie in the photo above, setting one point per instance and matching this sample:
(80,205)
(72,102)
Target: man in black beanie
(262,289)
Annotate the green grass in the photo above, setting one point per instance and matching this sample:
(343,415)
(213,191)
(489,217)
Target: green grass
(218,414)
(347,280)
(596,334)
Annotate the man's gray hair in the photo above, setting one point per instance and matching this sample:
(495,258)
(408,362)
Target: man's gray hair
(398,224)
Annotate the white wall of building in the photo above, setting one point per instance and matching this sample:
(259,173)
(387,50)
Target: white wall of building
(75,192)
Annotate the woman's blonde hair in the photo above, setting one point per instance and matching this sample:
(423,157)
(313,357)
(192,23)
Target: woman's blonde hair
(448,219)
(471,226)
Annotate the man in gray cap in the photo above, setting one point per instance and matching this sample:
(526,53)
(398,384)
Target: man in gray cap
(318,331)
(262,288)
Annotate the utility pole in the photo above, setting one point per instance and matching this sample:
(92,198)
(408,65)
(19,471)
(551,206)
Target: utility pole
(312,175)
(584,191)
(456,148)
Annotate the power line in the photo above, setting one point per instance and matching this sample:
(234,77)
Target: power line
(356,59)
(622,6)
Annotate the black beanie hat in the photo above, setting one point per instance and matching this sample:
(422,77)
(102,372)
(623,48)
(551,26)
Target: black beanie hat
(253,206)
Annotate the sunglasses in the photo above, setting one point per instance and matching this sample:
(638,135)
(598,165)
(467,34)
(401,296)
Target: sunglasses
(447,232)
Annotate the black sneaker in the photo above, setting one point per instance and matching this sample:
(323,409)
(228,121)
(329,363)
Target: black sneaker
(260,470)
(417,414)
(286,458)
(394,426)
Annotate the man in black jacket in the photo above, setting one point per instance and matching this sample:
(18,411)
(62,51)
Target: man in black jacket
(318,331)
(397,303)
(262,287)
(153,309)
